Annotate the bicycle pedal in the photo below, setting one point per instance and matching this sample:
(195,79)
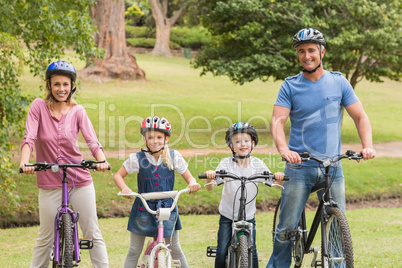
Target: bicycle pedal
(211,252)
(86,243)
(176,264)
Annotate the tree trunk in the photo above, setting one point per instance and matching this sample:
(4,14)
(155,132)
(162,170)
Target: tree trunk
(111,37)
(163,25)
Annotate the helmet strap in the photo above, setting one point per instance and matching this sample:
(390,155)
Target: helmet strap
(235,156)
(312,71)
(72,91)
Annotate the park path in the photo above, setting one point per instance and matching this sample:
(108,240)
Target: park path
(383,149)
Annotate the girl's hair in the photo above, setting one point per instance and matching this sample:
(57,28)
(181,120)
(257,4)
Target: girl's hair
(167,159)
(50,101)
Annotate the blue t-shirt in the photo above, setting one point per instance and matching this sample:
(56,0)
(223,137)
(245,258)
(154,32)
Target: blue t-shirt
(316,112)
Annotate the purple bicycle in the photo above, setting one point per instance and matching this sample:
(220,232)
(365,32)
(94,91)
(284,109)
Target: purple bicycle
(66,248)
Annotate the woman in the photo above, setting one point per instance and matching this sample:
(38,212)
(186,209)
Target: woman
(53,125)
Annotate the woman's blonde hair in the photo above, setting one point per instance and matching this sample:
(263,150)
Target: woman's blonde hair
(50,102)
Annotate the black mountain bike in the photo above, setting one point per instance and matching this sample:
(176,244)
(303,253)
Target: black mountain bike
(336,240)
(240,252)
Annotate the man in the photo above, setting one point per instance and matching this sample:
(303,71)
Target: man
(313,101)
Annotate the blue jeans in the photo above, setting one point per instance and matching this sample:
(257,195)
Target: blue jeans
(224,237)
(294,197)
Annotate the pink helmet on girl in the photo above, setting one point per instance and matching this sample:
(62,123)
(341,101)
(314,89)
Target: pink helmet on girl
(156,123)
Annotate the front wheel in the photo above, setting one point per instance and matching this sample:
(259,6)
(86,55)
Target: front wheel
(242,252)
(162,259)
(339,241)
(66,245)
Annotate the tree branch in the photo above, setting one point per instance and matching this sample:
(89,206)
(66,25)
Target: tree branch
(177,15)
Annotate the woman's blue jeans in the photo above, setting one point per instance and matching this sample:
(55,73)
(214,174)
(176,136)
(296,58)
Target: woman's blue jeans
(224,237)
(294,197)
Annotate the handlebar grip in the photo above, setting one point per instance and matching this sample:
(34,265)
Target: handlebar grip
(202,176)
(108,168)
(286,178)
(21,171)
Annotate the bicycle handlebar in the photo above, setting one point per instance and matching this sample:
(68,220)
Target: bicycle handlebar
(266,176)
(157,195)
(85,164)
(351,155)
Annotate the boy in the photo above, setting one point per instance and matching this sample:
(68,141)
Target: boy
(241,139)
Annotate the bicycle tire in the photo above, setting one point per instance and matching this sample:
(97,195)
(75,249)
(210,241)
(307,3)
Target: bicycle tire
(162,260)
(297,247)
(66,241)
(242,252)
(339,240)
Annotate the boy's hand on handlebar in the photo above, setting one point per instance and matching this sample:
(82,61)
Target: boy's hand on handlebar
(194,187)
(27,170)
(291,156)
(279,176)
(368,153)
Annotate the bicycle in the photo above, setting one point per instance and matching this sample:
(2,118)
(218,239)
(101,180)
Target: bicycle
(240,252)
(66,246)
(336,240)
(157,254)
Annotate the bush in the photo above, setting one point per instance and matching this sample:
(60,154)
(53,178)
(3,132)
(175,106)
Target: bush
(136,32)
(194,38)
(148,43)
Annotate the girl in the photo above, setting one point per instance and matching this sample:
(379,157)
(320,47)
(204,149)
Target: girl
(155,167)
(53,125)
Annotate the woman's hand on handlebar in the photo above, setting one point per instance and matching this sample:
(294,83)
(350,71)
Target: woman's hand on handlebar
(291,156)
(27,170)
(102,167)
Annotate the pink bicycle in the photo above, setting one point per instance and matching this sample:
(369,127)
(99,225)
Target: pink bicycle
(157,254)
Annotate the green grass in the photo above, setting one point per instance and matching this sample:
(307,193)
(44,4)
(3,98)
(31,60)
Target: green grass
(202,108)
(375,233)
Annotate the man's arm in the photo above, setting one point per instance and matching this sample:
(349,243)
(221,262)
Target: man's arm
(363,126)
(279,117)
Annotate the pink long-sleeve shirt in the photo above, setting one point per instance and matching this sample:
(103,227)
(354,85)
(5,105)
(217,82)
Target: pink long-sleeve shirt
(54,138)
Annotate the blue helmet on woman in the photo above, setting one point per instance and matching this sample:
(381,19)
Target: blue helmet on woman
(62,68)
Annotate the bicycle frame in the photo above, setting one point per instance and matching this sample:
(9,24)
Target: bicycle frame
(63,210)
(240,226)
(162,214)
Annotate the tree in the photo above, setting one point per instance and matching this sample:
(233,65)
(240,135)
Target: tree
(163,25)
(111,37)
(45,28)
(253,38)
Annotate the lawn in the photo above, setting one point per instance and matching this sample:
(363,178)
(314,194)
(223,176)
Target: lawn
(375,234)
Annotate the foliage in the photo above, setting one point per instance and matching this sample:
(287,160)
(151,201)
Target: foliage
(135,32)
(252,38)
(194,37)
(133,15)
(148,43)
(46,28)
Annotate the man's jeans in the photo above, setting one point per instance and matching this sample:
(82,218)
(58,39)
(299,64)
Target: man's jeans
(294,197)
(224,237)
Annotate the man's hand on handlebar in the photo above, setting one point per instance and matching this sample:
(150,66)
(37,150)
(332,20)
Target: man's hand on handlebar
(368,153)
(291,156)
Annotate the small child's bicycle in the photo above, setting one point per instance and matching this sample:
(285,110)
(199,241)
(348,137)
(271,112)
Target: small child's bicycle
(66,247)
(157,254)
(240,252)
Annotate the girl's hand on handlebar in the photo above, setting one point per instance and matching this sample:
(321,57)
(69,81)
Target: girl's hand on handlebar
(291,156)
(126,191)
(194,187)
(102,167)
(27,170)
